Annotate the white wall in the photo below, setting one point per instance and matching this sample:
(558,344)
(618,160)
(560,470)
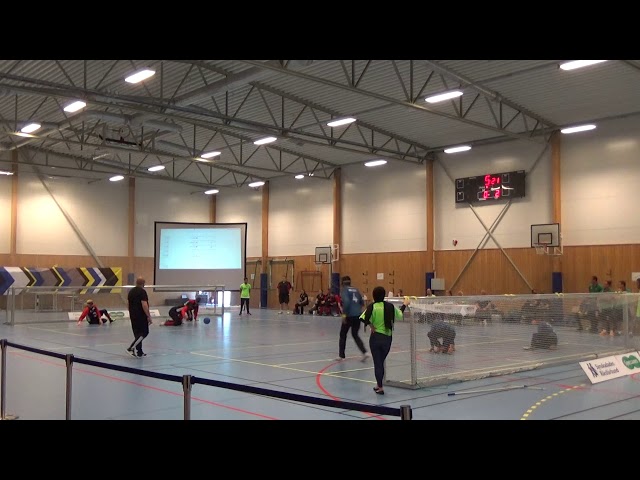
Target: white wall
(239,206)
(42,228)
(593,212)
(384,208)
(300,216)
(600,181)
(164,201)
(457,221)
(5,213)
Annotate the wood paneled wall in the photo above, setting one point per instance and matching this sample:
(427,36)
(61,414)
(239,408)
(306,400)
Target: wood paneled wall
(489,270)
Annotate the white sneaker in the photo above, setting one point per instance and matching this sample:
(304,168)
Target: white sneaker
(364,357)
(280,312)
(288,313)
(339,359)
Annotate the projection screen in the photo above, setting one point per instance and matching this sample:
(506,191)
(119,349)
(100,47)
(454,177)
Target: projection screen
(200,254)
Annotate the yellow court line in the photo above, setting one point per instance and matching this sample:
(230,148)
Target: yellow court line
(57,331)
(268,346)
(88,346)
(313,372)
(532,409)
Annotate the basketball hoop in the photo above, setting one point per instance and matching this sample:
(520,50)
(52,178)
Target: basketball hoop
(541,248)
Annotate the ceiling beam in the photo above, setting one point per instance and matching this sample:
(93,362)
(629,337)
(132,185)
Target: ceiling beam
(491,94)
(386,98)
(152,105)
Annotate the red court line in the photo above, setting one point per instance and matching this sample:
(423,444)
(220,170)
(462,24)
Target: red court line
(327,393)
(137,384)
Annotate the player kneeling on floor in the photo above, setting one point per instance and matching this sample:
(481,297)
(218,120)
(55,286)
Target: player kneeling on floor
(177,314)
(192,310)
(545,337)
(442,330)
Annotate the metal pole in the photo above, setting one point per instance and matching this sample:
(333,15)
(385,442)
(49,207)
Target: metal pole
(413,351)
(186,388)
(500,247)
(405,412)
(3,388)
(13,306)
(68,359)
(3,384)
(222,308)
(625,320)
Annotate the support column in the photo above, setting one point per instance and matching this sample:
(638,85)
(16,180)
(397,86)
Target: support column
(431,260)
(264,281)
(131,235)
(13,251)
(337,213)
(556,279)
(212,209)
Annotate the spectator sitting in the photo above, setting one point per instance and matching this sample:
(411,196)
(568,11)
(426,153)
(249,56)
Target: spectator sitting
(302,302)
(485,308)
(332,305)
(320,299)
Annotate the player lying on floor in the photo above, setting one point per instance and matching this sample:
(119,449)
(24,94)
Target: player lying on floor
(180,313)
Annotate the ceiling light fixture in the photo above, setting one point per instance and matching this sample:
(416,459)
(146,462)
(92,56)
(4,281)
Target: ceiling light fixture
(579,64)
(32,127)
(443,96)
(75,106)
(3,172)
(210,154)
(375,163)
(156,168)
(140,76)
(462,148)
(211,192)
(580,128)
(256,184)
(116,178)
(262,141)
(341,121)
(299,176)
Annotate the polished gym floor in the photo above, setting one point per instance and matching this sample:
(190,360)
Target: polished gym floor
(285,353)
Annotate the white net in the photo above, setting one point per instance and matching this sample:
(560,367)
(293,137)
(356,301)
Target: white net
(447,339)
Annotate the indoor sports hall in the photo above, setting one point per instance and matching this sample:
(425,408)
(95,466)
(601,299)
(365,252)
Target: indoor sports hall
(494,198)
(294,356)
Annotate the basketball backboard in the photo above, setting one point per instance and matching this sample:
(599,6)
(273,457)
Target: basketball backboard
(323,254)
(545,234)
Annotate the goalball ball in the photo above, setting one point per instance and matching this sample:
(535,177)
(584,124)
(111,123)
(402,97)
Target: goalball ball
(206,320)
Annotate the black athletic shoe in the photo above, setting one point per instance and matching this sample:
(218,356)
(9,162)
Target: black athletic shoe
(140,354)
(132,352)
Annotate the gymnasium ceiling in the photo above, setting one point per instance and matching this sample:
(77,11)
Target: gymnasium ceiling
(191,107)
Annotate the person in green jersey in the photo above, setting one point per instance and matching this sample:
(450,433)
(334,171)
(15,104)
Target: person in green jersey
(381,315)
(245,295)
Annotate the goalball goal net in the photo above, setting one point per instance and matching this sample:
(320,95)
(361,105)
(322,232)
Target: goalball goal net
(500,334)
